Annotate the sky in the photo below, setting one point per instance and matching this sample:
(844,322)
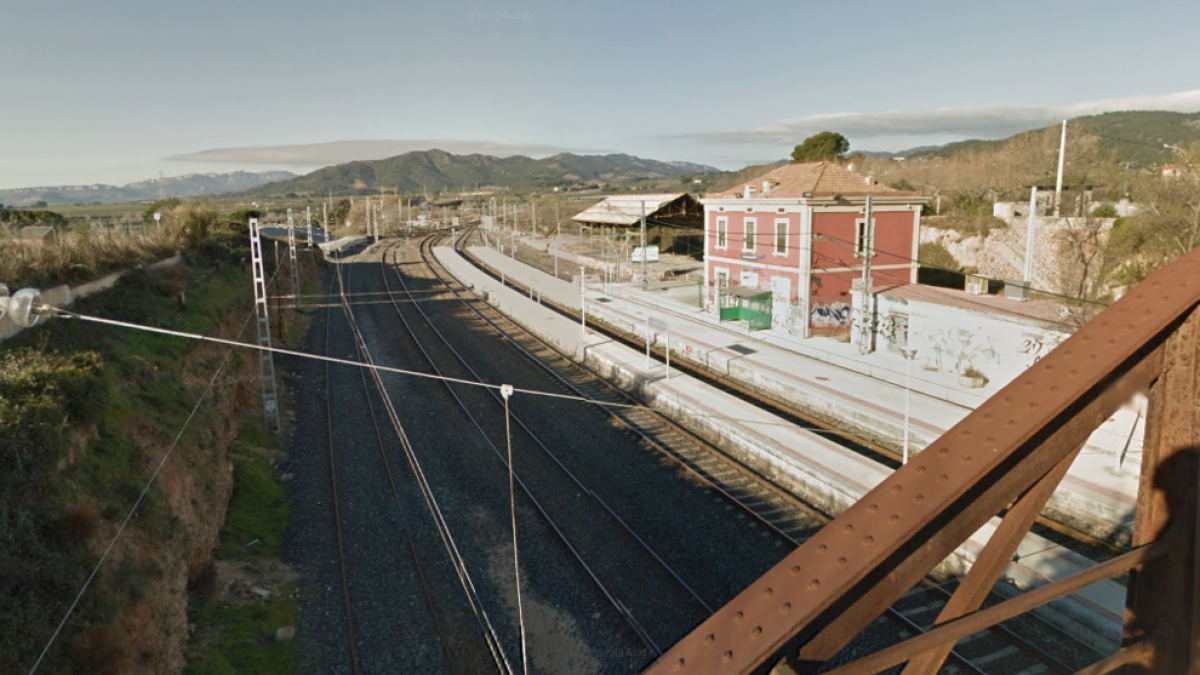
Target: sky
(117,91)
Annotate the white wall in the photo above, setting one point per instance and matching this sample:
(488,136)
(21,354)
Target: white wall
(950,339)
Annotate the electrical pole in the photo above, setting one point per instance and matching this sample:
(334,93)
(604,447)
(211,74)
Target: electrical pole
(266,359)
(1027,277)
(295,268)
(644,246)
(1062,154)
(308,221)
(865,327)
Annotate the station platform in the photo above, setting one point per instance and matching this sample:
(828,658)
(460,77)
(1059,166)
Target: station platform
(1097,496)
(809,464)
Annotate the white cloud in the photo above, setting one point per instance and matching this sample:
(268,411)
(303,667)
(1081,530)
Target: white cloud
(338,152)
(977,121)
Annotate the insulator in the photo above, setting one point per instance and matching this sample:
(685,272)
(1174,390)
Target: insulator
(21,307)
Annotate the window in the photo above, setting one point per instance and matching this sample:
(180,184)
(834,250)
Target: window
(722,232)
(861,245)
(781,228)
(748,240)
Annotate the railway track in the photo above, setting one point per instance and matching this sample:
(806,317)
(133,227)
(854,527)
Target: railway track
(1058,532)
(586,538)
(455,651)
(778,511)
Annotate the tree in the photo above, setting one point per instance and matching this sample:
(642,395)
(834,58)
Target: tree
(823,146)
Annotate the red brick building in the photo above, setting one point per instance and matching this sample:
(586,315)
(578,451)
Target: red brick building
(797,233)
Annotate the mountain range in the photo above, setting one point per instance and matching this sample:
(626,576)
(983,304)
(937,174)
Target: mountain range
(190,185)
(437,171)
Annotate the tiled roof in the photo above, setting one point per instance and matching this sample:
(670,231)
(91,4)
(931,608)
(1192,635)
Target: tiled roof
(817,179)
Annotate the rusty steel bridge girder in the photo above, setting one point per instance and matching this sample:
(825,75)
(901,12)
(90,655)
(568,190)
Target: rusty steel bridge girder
(1011,451)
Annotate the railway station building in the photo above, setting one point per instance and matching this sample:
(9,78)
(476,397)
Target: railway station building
(790,244)
(674,221)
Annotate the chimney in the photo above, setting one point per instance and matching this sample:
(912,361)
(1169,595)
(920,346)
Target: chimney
(748,192)
(766,187)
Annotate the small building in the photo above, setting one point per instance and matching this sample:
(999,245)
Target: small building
(799,233)
(951,330)
(674,220)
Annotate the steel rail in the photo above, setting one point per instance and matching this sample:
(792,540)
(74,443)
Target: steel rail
(443,528)
(351,643)
(930,586)
(387,466)
(855,442)
(549,453)
(622,611)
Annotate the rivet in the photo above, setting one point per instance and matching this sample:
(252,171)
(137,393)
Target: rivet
(1009,400)
(814,584)
(795,570)
(841,562)
(944,451)
(1054,389)
(727,657)
(991,440)
(738,616)
(785,608)
(768,592)
(867,541)
(943,478)
(679,664)
(965,432)
(847,528)
(921,469)
(893,518)
(1010,423)
(708,639)
(919,498)
(756,632)
(968,459)
(897,488)
(822,548)
(987,416)
(1072,372)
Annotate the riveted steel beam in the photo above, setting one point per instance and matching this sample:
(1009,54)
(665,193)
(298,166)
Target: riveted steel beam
(820,596)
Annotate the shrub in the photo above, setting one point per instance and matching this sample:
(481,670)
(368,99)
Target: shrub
(1105,211)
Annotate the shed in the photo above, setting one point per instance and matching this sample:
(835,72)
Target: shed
(675,221)
(746,303)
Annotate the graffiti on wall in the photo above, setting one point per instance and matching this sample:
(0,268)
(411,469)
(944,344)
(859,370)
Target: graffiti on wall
(832,315)
(956,349)
(1036,345)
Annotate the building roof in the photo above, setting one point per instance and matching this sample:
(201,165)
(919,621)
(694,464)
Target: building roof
(1031,310)
(812,179)
(627,209)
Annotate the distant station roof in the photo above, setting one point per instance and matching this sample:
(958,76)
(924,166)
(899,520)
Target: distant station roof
(810,179)
(626,210)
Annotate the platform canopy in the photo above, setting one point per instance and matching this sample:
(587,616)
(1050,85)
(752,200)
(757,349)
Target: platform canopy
(678,209)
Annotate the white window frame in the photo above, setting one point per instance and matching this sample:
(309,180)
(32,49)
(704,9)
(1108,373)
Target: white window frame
(722,239)
(749,234)
(860,233)
(784,222)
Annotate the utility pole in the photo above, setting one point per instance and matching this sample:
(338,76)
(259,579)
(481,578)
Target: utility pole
(308,221)
(1062,154)
(325,218)
(295,268)
(644,284)
(865,327)
(266,359)
(1027,277)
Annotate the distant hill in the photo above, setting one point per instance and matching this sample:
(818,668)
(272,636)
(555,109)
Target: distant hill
(439,171)
(190,185)
(1135,138)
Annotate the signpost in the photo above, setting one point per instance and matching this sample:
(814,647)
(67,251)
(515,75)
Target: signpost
(644,255)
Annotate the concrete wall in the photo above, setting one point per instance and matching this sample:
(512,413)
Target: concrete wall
(951,339)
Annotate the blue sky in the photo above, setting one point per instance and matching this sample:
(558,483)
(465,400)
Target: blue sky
(116,91)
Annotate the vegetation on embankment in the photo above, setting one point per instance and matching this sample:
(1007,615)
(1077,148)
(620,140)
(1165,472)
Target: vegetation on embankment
(87,412)
(82,251)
